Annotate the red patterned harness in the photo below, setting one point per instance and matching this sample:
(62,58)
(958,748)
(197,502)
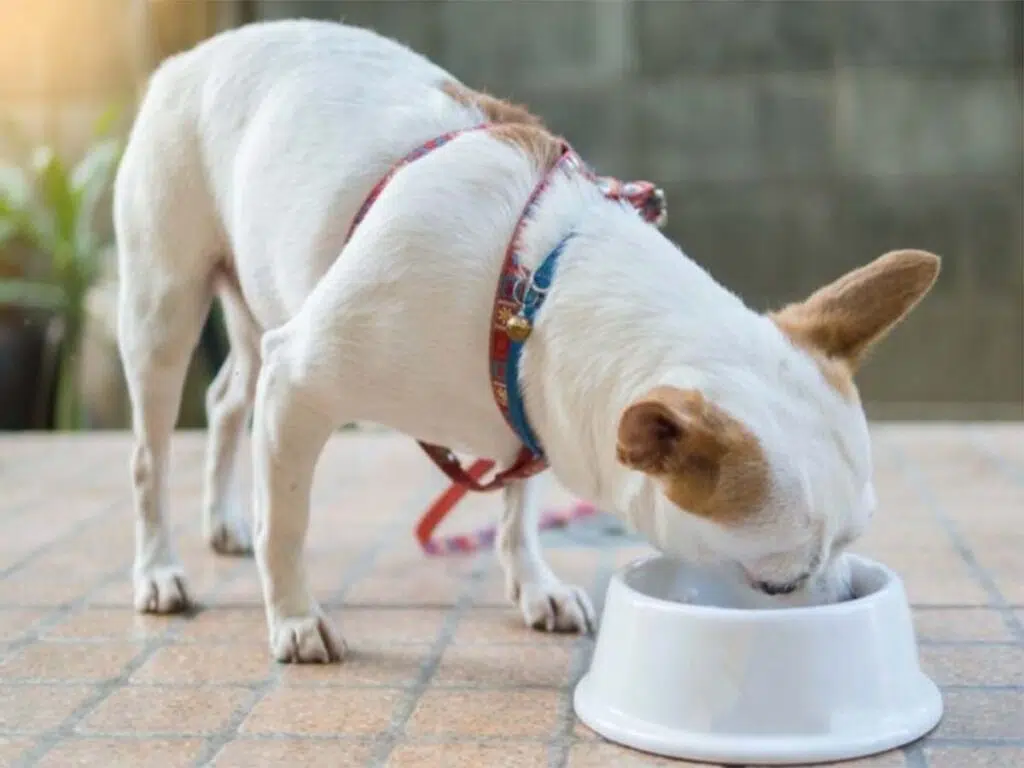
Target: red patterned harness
(508,303)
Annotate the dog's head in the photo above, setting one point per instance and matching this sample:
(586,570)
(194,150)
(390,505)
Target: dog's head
(778,481)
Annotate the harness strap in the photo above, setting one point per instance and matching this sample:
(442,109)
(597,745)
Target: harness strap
(649,202)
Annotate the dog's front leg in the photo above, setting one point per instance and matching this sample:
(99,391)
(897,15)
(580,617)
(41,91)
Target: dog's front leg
(290,429)
(546,603)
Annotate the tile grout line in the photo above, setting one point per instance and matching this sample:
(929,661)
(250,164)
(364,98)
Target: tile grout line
(910,470)
(915,756)
(358,569)
(562,740)
(403,711)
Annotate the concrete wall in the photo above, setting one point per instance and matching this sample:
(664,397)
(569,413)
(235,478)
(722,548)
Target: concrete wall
(795,140)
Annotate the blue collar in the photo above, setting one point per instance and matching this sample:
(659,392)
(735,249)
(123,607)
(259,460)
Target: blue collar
(534,293)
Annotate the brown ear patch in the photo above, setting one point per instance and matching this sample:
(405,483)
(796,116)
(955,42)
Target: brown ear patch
(495,110)
(846,318)
(707,462)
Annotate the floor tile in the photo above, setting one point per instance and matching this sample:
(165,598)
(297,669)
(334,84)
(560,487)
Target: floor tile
(602,755)
(39,707)
(16,623)
(323,711)
(503,626)
(990,714)
(151,709)
(497,693)
(951,625)
(388,665)
(69,662)
(532,714)
(509,755)
(111,623)
(367,627)
(145,753)
(267,753)
(975,757)
(11,749)
(432,590)
(993,665)
(489,666)
(225,625)
(236,663)
(22,591)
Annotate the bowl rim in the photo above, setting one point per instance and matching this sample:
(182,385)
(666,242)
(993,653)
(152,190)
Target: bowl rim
(655,738)
(893,585)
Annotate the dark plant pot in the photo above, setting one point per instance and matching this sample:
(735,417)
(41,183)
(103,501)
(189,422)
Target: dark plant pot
(29,347)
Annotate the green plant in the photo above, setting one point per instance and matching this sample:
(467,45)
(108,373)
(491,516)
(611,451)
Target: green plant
(54,206)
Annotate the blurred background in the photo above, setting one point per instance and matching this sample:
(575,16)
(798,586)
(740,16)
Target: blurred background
(795,140)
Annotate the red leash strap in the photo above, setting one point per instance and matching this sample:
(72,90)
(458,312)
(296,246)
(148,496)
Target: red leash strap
(444,503)
(464,481)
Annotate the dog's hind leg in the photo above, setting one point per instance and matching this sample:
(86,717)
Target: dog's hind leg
(158,327)
(226,522)
(544,600)
(168,241)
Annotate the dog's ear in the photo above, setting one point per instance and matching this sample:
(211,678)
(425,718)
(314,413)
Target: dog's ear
(846,318)
(708,462)
(672,429)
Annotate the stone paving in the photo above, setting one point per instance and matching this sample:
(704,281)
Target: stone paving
(441,672)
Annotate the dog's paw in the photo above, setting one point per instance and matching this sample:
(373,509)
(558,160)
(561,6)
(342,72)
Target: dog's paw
(230,536)
(307,640)
(161,589)
(555,607)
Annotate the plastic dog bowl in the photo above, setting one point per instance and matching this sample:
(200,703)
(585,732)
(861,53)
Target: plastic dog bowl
(706,680)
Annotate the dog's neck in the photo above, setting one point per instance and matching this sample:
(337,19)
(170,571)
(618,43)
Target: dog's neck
(628,311)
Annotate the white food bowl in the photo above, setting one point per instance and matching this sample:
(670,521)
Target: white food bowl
(762,686)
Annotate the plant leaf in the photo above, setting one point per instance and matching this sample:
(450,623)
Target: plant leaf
(15,204)
(55,219)
(15,188)
(25,293)
(105,123)
(89,181)
(97,166)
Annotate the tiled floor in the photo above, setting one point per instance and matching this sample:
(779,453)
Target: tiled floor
(441,673)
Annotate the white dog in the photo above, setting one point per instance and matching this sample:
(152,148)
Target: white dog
(724,435)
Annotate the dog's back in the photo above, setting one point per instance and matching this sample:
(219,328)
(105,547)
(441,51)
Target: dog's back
(262,142)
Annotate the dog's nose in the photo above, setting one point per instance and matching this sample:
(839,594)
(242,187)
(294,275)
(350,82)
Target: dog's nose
(776,589)
(780,588)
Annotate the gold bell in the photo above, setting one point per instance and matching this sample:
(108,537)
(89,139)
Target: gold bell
(518,328)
